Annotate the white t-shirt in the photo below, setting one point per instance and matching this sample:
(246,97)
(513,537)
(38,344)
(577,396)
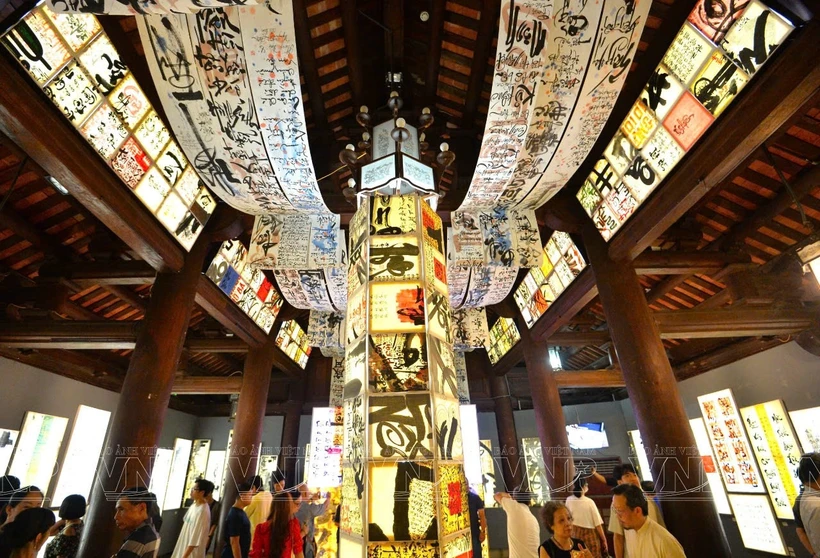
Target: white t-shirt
(652,541)
(523,532)
(584,512)
(194,532)
(615,524)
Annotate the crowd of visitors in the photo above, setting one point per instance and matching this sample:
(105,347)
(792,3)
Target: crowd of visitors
(280,523)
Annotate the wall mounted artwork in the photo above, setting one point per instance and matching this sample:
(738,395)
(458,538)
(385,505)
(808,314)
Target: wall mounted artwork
(247,288)
(8,440)
(712,58)
(726,431)
(562,263)
(326,441)
(807,425)
(38,446)
(197,467)
(72,60)
(83,454)
(777,452)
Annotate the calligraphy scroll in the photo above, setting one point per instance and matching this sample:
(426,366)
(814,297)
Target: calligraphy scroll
(540,128)
(326,449)
(495,237)
(463,385)
(776,450)
(337,382)
(482,286)
(536,473)
(398,363)
(141,7)
(296,242)
(728,436)
(400,426)
(216,72)
(470,329)
(326,331)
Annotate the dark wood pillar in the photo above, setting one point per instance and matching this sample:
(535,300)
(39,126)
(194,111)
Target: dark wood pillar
(512,464)
(549,416)
(290,457)
(137,423)
(659,411)
(243,454)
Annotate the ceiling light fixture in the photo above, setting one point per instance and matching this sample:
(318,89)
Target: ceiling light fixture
(57,186)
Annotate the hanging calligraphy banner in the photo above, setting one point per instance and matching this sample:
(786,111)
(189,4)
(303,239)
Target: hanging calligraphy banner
(326,331)
(296,242)
(229,82)
(554,87)
(495,237)
(143,7)
(470,329)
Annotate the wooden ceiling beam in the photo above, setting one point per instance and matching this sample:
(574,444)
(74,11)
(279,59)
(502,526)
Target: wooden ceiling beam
(734,322)
(69,335)
(575,379)
(224,345)
(668,262)
(120,272)
(490,10)
(350,14)
(436,24)
(574,299)
(201,385)
(222,308)
(31,121)
(773,97)
(307,64)
(725,355)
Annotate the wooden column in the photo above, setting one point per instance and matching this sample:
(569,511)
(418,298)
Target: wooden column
(512,464)
(549,415)
(243,454)
(137,423)
(659,411)
(289,456)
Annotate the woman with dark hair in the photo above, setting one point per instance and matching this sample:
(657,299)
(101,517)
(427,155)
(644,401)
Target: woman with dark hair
(23,537)
(280,536)
(8,486)
(587,523)
(557,519)
(26,498)
(67,541)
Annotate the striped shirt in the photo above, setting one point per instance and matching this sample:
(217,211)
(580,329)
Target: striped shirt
(143,542)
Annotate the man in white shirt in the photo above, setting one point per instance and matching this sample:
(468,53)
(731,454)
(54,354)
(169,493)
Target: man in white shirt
(625,474)
(523,531)
(644,537)
(809,474)
(193,539)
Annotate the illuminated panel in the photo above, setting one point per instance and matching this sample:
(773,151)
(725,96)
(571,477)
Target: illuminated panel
(560,266)
(248,288)
(733,451)
(503,335)
(84,446)
(70,57)
(294,342)
(778,455)
(712,58)
(37,449)
(326,440)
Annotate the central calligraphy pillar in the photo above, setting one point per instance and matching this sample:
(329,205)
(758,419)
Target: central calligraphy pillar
(404,489)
